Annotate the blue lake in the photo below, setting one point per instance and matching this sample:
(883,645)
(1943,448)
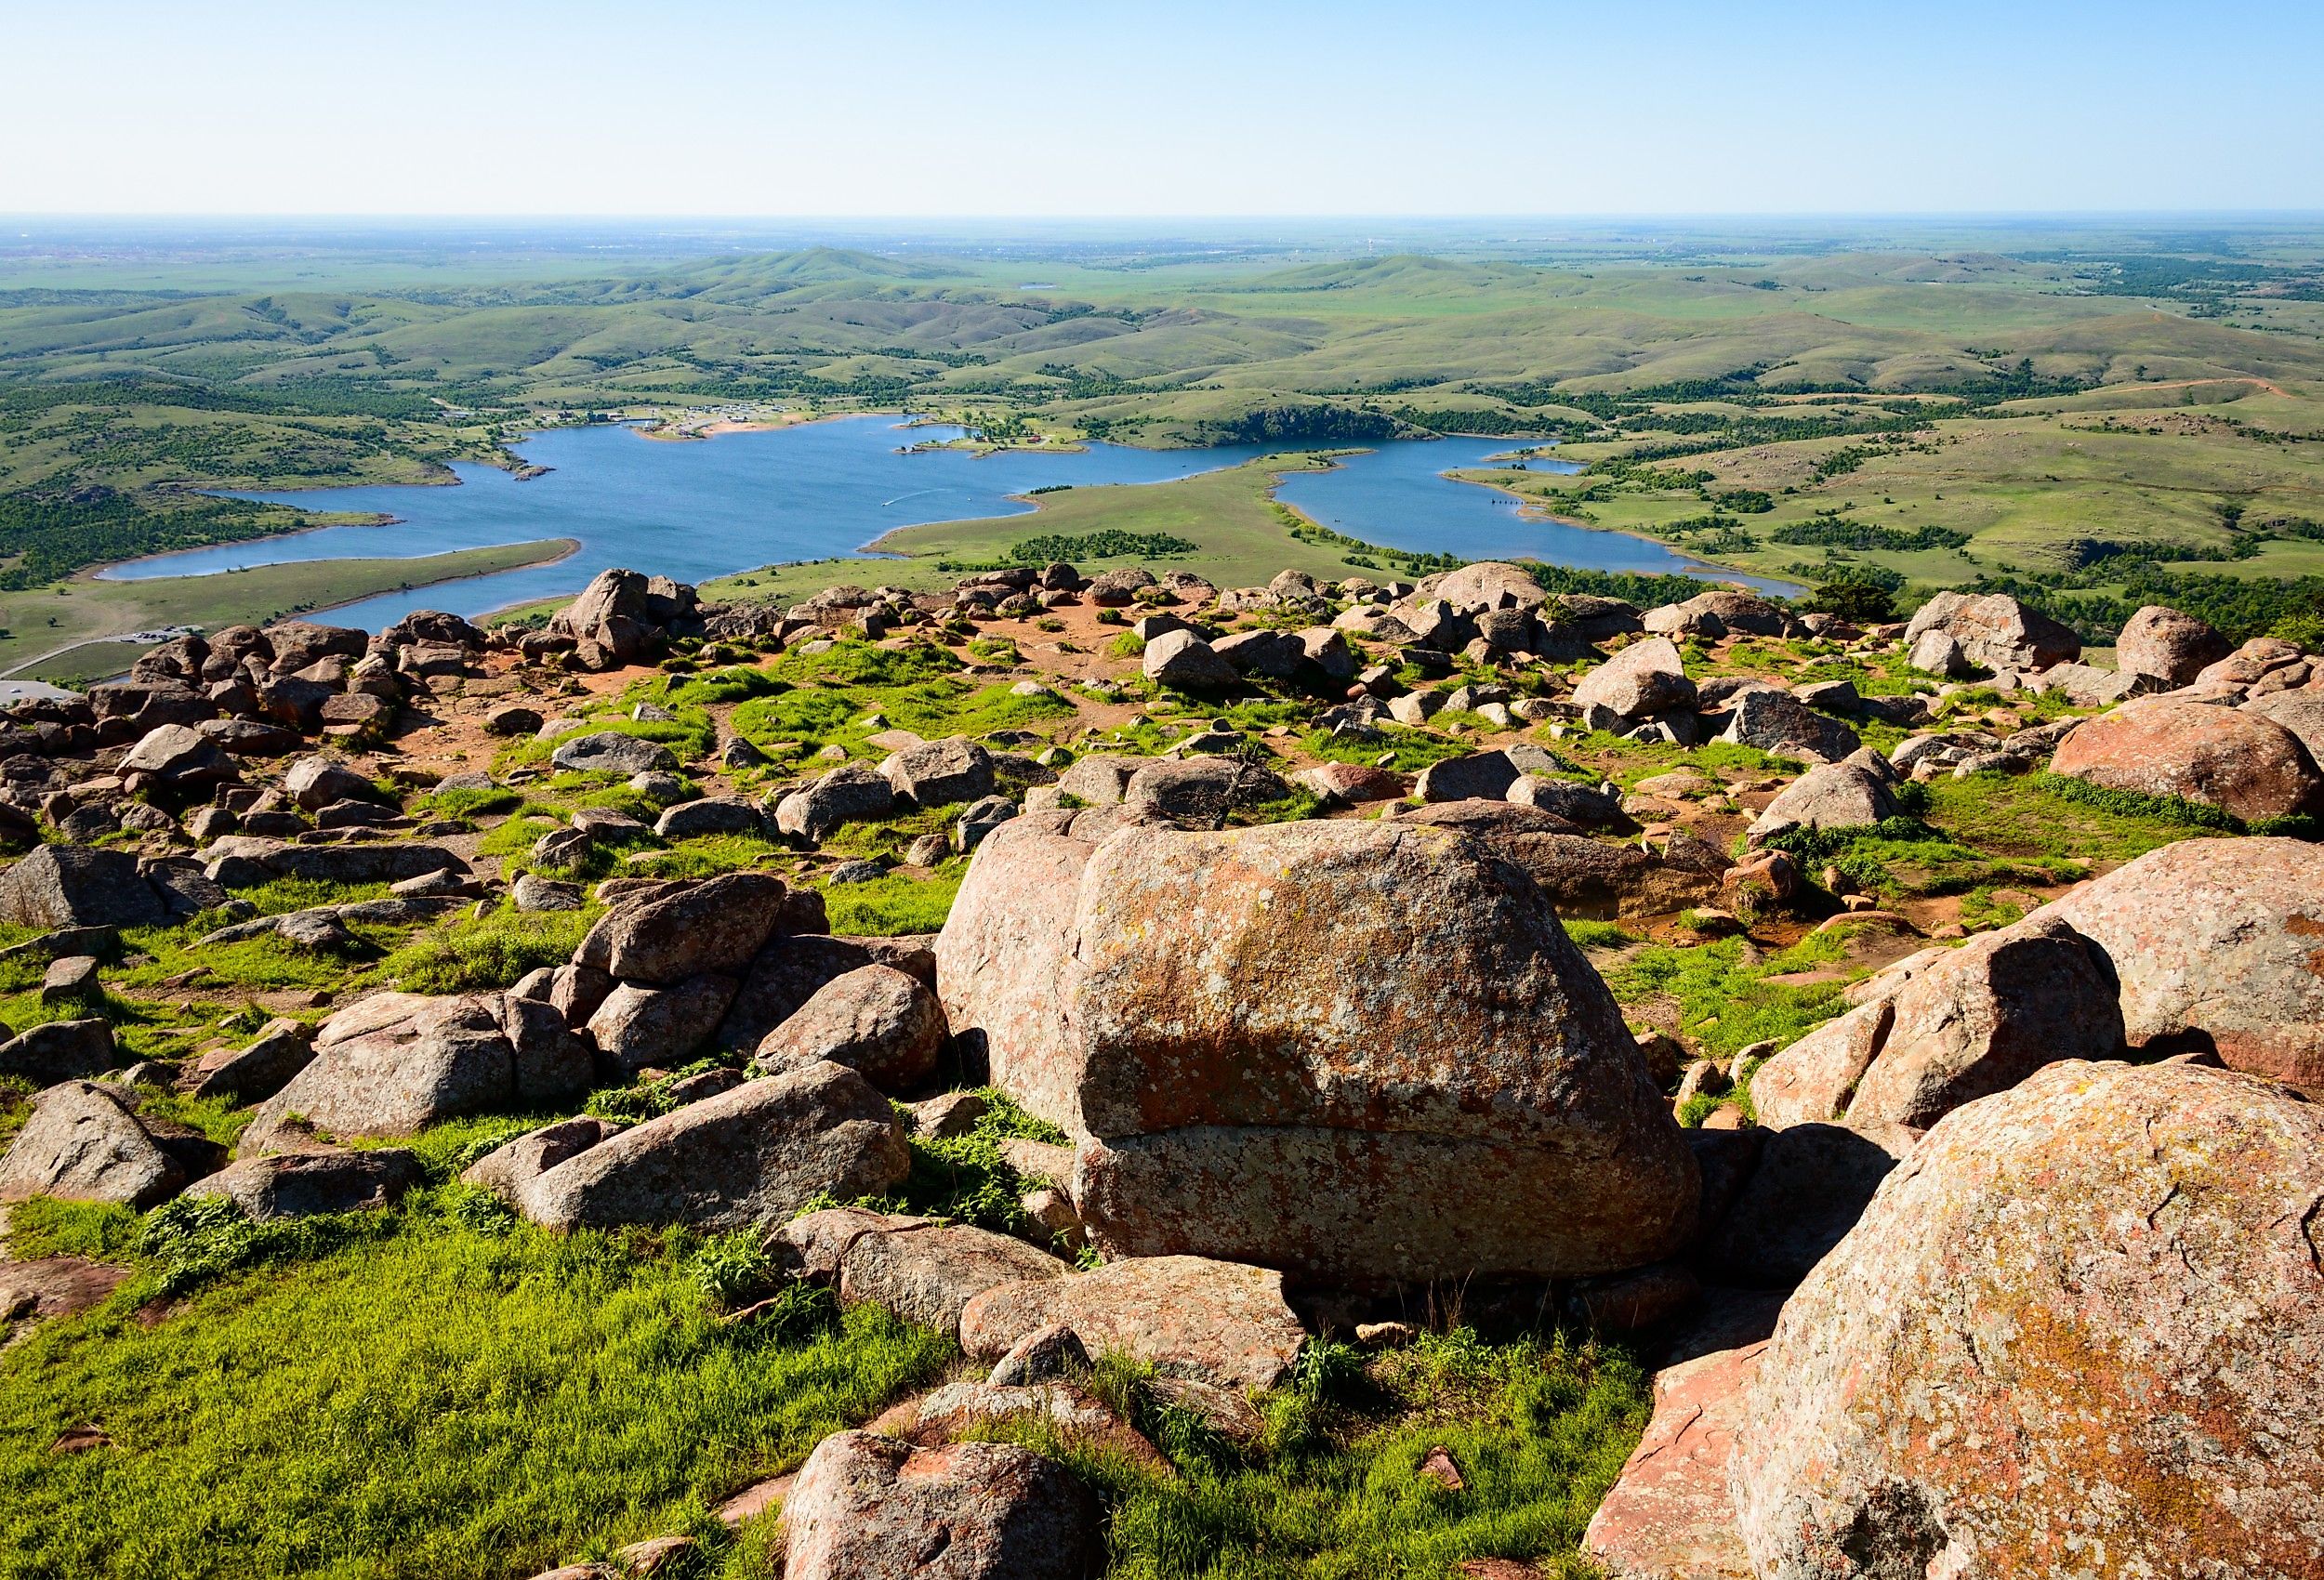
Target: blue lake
(695,510)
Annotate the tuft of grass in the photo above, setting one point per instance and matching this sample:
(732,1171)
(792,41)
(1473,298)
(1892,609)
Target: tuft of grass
(1598,935)
(471,803)
(965,1178)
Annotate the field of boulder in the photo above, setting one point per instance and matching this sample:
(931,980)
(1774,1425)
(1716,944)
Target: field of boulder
(1109,1075)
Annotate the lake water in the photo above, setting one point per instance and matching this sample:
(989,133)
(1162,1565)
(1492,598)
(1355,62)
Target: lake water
(696,511)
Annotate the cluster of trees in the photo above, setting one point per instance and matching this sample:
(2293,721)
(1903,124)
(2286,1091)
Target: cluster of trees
(51,536)
(1837,532)
(1110,543)
(1321,422)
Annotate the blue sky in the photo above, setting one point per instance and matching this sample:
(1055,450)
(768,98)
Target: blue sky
(1112,109)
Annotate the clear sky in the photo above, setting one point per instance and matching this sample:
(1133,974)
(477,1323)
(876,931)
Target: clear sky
(1025,108)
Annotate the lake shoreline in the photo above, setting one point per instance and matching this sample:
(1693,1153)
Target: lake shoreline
(1703,570)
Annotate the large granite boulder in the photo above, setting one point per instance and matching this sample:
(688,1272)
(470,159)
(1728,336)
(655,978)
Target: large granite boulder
(181,758)
(609,751)
(1183,662)
(1719,612)
(1211,1321)
(794,967)
(2302,712)
(2166,648)
(850,793)
(326,1180)
(1003,953)
(927,1273)
(638,1027)
(2227,758)
(2215,943)
(1995,631)
(875,1019)
(719,925)
(395,1063)
(60,1050)
(1777,721)
(1201,791)
(1645,678)
(1580,876)
(1849,794)
(86,1142)
(941,773)
(72,886)
(1976,1022)
(866,1505)
(2081,1318)
(754,1154)
(611,613)
(1352,1025)
(1486,584)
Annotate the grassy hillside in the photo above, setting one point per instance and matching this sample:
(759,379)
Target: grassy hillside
(2051,388)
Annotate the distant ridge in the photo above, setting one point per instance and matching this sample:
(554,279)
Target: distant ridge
(815,266)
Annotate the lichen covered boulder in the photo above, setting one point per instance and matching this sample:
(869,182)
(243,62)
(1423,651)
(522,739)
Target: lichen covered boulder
(1353,1050)
(2241,762)
(2219,946)
(2082,1317)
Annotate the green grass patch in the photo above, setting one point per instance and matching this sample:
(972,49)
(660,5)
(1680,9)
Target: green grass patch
(1538,1429)
(831,698)
(488,953)
(1598,935)
(888,906)
(464,804)
(1724,1003)
(706,857)
(422,1399)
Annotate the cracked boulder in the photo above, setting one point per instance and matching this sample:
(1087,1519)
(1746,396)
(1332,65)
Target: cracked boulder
(876,1019)
(2078,1319)
(1974,1021)
(869,1506)
(395,1063)
(2241,762)
(2219,947)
